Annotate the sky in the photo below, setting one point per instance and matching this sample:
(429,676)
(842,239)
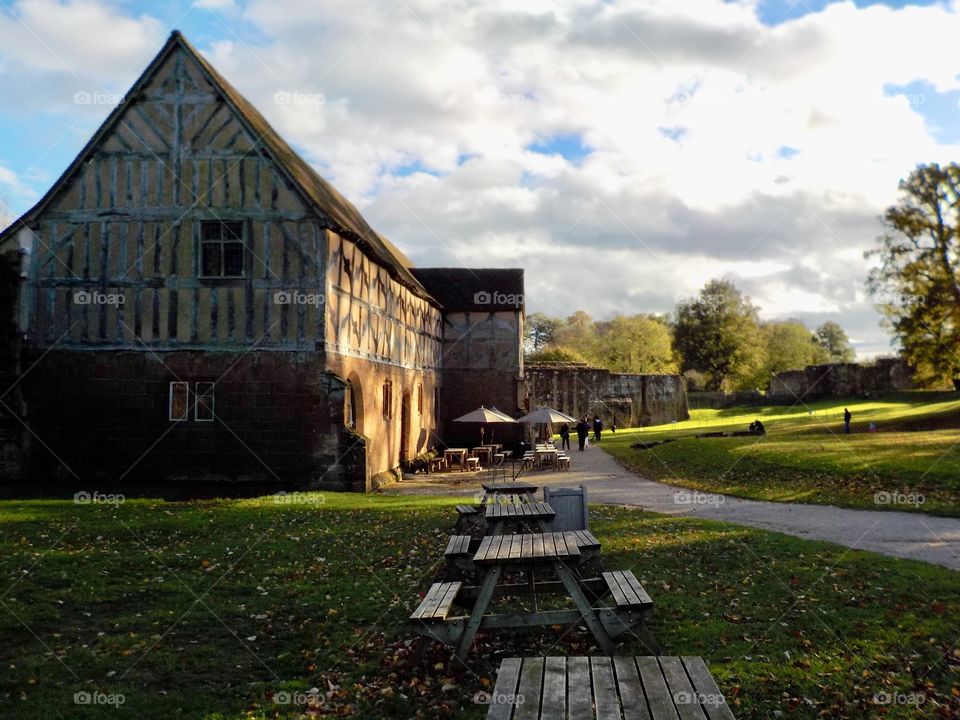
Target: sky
(622,152)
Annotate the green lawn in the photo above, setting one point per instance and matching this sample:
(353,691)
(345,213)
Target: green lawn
(911,463)
(211,609)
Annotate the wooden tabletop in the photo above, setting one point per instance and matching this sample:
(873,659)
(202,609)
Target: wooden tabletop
(510,488)
(598,688)
(520,511)
(524,548)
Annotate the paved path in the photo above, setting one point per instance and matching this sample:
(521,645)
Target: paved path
(898,534)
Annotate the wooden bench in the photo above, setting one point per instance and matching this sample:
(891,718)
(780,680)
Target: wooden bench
(458,545)
(438,601)
(626,590)
(598,688)
(436,464)
(467,509)
(473,463)
(470,520)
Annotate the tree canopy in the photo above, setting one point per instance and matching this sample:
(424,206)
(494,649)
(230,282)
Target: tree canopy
(917,282)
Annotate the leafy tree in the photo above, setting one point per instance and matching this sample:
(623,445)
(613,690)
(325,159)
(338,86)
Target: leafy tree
(539,331)
(834,341)
(556,354)
(636,344)
(790,346)
(578,333)
(918,279)
(718,333)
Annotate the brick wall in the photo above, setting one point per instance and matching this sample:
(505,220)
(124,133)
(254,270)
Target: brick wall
(104,415)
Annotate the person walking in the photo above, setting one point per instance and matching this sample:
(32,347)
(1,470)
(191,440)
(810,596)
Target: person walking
(564,437)
(846,420)
(597,428)
(583,429)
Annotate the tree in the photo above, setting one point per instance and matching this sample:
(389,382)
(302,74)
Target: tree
(918,279)
(790,346)
(578,333)
(539,332)
(833,339)
(636,344)
(718,333)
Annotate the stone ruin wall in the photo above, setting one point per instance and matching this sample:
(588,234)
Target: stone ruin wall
(628,400)
(841,380)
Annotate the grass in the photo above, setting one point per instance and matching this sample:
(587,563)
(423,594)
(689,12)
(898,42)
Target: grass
(911,462)
(212,609)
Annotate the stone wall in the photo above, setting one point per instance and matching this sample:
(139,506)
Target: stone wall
(840,380)
(627,400)
(103,419)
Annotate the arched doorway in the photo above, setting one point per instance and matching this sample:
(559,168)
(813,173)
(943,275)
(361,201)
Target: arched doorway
(405,427)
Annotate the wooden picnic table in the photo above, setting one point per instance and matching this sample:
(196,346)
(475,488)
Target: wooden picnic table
(547,454)
(521,491)
(552,553)
(598,688)
(459,453)
(482,452)
(532,515)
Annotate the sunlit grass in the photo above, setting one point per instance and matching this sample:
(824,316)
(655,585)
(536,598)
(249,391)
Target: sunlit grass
(806,457)
(316,595)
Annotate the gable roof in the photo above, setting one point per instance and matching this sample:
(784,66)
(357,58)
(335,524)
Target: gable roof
(463,289)
(341,215)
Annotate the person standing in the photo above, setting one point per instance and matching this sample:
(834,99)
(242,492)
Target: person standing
(583,430)
(564,437)
(597,428)
(846,420)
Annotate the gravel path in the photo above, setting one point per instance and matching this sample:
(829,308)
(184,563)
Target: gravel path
(898,534)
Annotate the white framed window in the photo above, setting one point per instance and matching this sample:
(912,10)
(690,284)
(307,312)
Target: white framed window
(178,409)
(203,401)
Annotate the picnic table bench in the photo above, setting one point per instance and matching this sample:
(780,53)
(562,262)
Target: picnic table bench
(520,491)
(555,552)
(602,688)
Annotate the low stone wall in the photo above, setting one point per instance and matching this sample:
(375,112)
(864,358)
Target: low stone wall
(840,380)
(627,400)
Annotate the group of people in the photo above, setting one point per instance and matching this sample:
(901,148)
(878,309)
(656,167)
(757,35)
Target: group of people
(583,431)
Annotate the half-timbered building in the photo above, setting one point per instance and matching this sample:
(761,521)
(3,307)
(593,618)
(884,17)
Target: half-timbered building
(197,302)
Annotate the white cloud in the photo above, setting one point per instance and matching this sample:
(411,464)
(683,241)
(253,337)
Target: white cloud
(718,145)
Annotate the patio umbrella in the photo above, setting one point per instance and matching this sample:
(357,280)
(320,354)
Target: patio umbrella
(546,416)
(485,415)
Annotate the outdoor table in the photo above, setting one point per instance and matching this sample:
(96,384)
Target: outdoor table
(581,688)
(543,551)
(483,452)
(459,453)
(494,491)
(544,453)
(530,513)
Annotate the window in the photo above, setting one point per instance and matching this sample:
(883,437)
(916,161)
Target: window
(179,402)
(420,399)
(388,400)
(203,399)
(221,249)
